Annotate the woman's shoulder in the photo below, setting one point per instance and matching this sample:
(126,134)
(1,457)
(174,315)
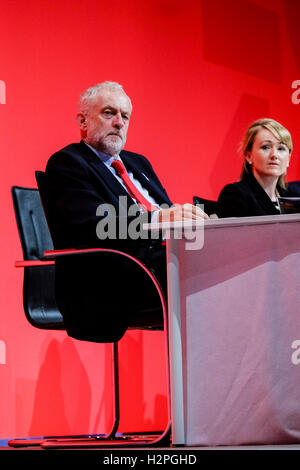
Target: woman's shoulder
(234,200)
(238,187)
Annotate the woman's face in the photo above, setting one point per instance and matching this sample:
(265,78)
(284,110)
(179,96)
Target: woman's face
(269,156)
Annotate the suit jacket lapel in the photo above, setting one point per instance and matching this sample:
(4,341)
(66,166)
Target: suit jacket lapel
(113,184)
(103,172)
(147,182)
(261,196)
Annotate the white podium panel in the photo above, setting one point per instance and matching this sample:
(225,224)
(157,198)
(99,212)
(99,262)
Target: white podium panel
(234,333)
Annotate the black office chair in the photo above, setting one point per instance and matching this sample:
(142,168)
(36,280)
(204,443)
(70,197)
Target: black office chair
(40,305)
(293,188)
(210,207)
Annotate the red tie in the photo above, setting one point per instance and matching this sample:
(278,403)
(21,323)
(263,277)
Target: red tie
(133,191)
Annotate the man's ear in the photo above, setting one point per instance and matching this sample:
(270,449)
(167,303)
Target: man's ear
(81,121)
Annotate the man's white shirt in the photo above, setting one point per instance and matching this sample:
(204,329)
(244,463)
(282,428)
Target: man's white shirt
(107,160)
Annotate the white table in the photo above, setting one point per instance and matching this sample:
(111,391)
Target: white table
(234,331)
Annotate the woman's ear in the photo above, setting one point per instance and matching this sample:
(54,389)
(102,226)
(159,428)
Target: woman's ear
(248,158)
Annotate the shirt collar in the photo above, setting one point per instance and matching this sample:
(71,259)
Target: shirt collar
(107,159)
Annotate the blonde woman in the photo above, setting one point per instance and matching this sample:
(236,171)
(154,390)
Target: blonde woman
(266,150)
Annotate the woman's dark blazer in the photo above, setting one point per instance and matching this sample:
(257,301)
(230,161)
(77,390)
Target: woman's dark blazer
(245,198)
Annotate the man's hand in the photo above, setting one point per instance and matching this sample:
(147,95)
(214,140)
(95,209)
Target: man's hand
(182,212)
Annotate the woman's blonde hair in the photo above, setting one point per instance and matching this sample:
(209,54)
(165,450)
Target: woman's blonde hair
(279,132)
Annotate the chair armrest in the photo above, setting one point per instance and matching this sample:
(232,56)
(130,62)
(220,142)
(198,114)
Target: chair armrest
(53,254)
(50,256)
(30,263)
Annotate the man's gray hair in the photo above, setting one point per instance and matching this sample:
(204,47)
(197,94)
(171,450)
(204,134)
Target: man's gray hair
(88,96)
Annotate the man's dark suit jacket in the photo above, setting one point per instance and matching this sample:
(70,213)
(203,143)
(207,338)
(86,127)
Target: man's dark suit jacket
(77,183)
(245,198)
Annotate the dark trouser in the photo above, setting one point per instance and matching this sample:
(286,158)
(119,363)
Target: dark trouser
(101,295)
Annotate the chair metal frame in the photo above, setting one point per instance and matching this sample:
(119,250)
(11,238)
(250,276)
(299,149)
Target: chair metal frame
(112,438)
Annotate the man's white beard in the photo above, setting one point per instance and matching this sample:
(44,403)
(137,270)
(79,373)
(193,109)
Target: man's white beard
(109,146)
(112,148)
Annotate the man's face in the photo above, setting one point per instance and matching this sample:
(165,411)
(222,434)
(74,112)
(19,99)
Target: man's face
(105,125)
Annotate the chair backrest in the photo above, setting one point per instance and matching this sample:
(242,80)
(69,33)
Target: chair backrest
(293,188)
(210,207)
(38,289)
(31,222)
(41,180)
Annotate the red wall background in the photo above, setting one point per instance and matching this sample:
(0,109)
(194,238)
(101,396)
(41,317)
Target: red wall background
(198,73)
